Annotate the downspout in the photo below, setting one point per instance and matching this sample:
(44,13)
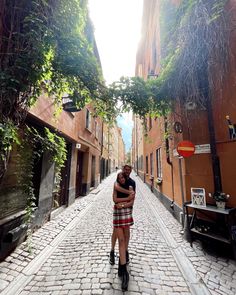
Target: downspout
(214,157)
(136,144)
(204,84)
(102,174)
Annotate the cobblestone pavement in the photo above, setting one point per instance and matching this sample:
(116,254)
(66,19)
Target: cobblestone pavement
(70,254)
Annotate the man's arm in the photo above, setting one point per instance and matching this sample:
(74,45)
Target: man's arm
(122,200)
(121,189)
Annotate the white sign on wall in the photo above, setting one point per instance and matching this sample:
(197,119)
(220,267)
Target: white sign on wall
(199,149)
(202,149)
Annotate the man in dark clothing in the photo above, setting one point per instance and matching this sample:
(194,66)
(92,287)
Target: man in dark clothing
(129,182)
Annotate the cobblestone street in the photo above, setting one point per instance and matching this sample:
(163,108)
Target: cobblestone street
(70,253)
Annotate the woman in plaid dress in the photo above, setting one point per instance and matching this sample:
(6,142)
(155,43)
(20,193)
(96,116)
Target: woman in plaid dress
(122,220)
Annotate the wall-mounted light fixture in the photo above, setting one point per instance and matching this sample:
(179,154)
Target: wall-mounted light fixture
(69,105)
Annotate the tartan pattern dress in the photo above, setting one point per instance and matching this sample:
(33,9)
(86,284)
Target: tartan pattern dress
(122,217)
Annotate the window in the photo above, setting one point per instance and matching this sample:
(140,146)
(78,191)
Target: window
(147,164)
(159,163)
(140,163)
(151,164)
(96,129)
(88,119)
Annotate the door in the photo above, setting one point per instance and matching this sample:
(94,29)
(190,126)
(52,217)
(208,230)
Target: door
(79,174)
(93,171)
(65,179)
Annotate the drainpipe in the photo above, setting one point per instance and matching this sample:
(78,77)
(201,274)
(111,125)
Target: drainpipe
(214,157)
(101,161)
(204,85)
(136,144)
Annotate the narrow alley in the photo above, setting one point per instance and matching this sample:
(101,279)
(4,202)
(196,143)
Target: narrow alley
(70,253)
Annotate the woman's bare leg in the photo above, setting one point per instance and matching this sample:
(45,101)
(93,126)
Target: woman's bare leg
(122,246)
(113,240)
(127,237)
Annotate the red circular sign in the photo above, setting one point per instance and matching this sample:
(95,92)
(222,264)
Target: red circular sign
(185,148)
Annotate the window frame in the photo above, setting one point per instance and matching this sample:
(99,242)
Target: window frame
(159,162)
(88,120)
(147,164)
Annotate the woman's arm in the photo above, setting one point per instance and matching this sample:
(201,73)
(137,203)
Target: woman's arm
(125,205)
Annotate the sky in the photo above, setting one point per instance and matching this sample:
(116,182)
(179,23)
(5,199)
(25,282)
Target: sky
(117,25)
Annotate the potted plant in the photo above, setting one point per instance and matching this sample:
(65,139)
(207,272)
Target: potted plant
(220,199)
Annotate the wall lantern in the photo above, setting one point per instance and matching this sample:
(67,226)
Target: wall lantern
(69,105)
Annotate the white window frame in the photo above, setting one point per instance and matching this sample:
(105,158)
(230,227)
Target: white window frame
(88,120)
(159,162)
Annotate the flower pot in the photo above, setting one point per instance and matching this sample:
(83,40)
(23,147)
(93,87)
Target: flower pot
(220,204)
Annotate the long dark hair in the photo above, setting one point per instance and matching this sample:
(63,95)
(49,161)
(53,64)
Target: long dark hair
(117,178)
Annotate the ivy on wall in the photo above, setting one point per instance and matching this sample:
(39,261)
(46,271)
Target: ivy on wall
(31,146)
(194,42)
(45,46)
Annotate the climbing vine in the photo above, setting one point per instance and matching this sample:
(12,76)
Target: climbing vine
(45,46)
(195,43)
(199,44)
(32,145)
(8,136)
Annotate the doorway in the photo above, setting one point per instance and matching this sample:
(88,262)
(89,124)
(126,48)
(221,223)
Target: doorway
(79,174)
(93,170)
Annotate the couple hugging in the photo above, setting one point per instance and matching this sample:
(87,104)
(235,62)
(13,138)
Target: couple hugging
(123,197)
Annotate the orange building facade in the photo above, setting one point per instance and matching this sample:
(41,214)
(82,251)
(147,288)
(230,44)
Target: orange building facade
(161,164)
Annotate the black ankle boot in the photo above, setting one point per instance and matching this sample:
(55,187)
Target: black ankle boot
(124,278)
(112,257)
(127,257)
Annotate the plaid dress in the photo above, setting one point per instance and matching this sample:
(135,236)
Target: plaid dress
(122,217)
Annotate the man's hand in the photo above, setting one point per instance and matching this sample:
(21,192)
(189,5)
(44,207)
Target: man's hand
(120,205)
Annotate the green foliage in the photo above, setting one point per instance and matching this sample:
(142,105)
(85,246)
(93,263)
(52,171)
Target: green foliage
(133,94)
(8,136)
(31,148)
(197,42)
(140,96)
(194,40)
(57,146)
(50,44)
(25,163)
(47,46)
(51,142)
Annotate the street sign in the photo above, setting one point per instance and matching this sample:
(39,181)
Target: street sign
(185,148)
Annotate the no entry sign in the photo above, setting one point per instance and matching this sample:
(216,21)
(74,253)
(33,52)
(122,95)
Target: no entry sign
(185,148)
